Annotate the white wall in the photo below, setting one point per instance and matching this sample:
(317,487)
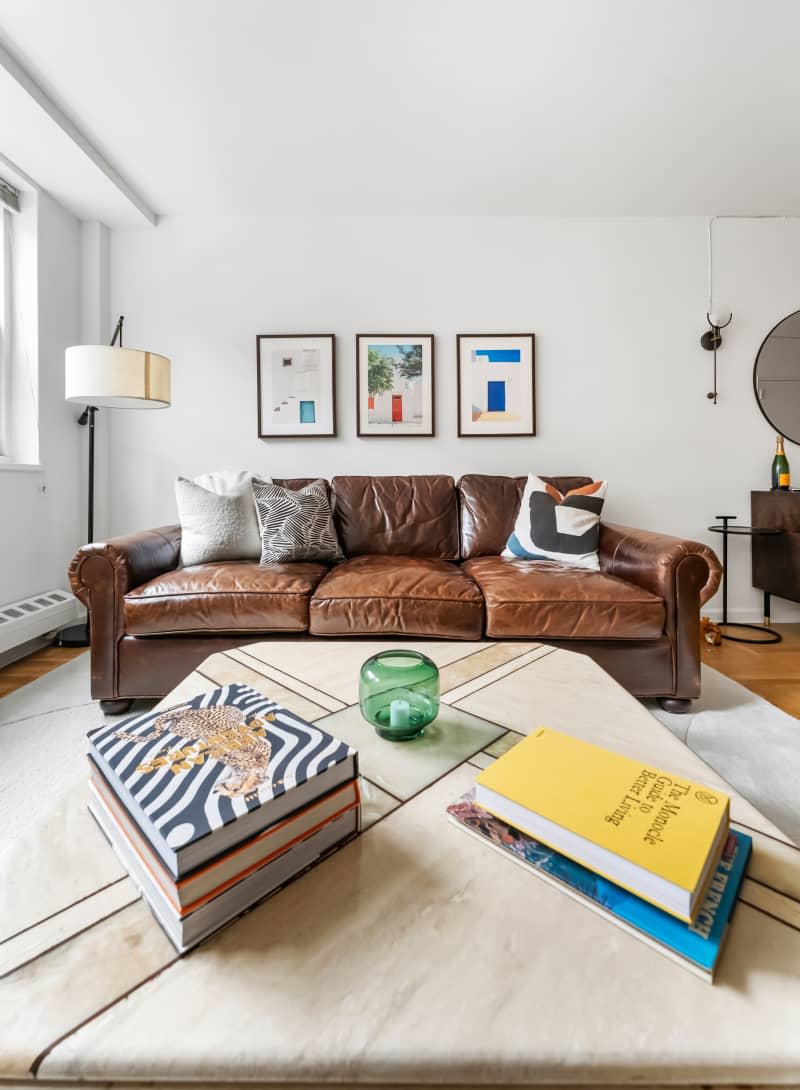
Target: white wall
(617,306)
(42,517)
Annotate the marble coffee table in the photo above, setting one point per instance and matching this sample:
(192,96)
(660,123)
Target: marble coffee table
(412,955)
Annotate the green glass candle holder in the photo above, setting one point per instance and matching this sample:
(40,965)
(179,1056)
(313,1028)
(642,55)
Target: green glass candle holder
(398,693)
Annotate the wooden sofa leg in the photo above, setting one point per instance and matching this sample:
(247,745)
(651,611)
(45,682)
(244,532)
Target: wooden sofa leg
(115,707)
(676,704)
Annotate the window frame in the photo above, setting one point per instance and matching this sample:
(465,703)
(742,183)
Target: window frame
(6,327)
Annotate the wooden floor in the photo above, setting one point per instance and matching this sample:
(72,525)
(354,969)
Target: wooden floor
(40,662)
(772,671)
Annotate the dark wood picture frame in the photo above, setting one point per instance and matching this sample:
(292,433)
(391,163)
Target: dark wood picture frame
(298,337)
(496,434)
(399,338)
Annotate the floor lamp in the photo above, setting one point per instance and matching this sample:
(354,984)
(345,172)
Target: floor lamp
(112,377)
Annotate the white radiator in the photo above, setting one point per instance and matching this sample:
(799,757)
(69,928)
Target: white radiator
(31,617)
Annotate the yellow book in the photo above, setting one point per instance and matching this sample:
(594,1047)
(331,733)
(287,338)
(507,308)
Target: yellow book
(656,834)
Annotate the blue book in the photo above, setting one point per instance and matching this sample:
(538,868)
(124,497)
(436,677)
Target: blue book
(697,945)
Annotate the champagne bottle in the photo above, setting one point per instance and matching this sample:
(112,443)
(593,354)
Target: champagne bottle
(780,468)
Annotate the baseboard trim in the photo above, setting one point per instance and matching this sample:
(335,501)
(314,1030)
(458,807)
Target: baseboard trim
(778,615)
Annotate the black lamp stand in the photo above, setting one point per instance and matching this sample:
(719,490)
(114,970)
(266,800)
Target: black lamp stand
(77,635)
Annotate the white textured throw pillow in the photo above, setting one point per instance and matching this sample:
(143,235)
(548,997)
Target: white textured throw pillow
(218,518)
(223,481)
(552,526)
(295,525)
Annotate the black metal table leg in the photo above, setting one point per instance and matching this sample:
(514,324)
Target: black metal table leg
(725,569)
(770,633)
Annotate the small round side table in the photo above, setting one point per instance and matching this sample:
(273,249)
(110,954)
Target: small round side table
(748,531)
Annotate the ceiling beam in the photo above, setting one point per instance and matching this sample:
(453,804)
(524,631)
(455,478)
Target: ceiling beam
(68,127)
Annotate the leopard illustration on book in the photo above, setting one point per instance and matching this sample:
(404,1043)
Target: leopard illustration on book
(221,732)
(214,769)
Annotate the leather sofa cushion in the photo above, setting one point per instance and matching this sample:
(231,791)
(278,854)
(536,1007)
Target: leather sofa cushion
(236,596)
(402,596)
(396,516)
(295,484)
(543,599)
(489,507)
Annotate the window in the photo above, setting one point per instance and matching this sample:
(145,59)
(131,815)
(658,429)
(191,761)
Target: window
(19,380)
(5,330)
(9,203)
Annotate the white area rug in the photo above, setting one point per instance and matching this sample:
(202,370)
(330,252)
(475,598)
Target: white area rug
(751,743)
(43,730)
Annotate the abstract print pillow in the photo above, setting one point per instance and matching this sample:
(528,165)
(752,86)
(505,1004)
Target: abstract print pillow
(295,525)
(552,526)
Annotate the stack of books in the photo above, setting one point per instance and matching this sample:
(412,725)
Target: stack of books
(651,851)
(216,803)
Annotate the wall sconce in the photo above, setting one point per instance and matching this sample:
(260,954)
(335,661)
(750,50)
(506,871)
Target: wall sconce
(718,319)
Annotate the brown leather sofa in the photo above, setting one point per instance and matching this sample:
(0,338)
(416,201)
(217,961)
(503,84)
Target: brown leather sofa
(422,560)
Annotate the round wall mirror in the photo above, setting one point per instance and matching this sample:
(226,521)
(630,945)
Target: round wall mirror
(776,377)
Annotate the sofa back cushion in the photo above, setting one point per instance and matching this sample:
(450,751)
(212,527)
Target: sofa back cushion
(298,483)
(396,516)
(488,508)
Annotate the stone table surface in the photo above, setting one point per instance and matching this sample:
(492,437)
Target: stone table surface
(411,955)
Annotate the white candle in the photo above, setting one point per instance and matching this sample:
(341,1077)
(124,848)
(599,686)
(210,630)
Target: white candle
(398,713)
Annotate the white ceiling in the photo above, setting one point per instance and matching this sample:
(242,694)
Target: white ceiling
(542,107)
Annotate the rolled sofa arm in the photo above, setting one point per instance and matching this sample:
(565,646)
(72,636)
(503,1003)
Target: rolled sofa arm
(101,574)
(685,574)
(653,561)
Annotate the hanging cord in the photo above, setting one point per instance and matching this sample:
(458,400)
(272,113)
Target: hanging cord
(710,306)
(715,341)
(712,220)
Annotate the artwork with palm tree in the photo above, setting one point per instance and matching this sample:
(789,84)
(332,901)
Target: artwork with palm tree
(395,385)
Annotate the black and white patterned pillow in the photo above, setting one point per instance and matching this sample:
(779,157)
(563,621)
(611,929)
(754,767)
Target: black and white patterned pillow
(295,525)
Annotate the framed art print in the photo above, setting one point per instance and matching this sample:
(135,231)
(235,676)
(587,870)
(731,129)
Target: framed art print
(496,384)
(394,384)
(296,385)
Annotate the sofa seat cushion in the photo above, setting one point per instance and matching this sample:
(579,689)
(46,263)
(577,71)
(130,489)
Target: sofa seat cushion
(234,596)
(544,599)
(397,595)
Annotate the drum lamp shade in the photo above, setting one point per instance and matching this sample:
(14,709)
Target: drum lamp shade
(117,378)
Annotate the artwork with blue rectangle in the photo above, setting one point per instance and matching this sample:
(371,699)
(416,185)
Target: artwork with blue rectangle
(496,397)
(307,412)
(499,355)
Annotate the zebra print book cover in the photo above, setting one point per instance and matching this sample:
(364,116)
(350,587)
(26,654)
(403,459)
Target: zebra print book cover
(204,775)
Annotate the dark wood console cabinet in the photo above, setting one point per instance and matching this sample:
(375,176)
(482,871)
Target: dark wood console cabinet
(776,560)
